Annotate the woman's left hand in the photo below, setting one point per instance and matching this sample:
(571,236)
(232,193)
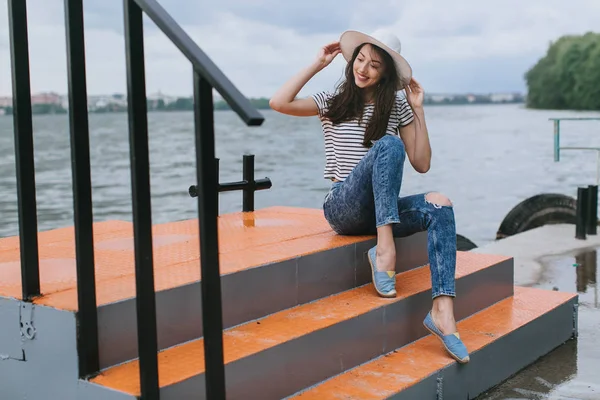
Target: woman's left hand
(414,93)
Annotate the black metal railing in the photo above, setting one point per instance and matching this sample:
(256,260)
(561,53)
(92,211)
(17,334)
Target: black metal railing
(586,213)
(248,185)
(23,131)
(142,209)
(206,77)
(87,345)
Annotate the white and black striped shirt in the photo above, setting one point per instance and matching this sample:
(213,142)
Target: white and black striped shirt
(343,142)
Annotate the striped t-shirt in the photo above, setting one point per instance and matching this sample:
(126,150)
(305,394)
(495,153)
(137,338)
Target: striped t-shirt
(343,142)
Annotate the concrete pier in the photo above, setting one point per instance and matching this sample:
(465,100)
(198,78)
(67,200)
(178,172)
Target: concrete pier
(550,257)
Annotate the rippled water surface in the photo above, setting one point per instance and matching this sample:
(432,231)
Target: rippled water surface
(485,158)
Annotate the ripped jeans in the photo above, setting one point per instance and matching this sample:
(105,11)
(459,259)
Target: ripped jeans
(368,198)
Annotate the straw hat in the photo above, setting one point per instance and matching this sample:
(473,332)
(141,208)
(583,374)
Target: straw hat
(381,38)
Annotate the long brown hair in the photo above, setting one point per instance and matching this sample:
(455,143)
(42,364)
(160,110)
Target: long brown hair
(349,101)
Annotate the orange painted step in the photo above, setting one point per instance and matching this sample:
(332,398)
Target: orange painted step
(247,240)
(185,361)
(410,365)
(102,231)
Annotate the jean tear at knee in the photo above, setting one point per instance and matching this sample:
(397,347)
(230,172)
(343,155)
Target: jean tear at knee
(435,205)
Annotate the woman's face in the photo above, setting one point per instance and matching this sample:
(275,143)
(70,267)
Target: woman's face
(368,67)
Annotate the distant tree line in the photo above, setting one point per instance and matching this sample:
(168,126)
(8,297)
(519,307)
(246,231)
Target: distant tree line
(39,109)
(568,76)
(187,103)
(261,103)
(462,99)
(181,104)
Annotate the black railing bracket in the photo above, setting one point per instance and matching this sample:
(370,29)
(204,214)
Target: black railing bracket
(248,184)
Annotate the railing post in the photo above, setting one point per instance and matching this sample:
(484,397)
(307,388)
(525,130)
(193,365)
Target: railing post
(87,320)
(581,213)
(142,212)
(248,176)
(212,316)
(592,214)
(218,177)
(25,167)
(556,140)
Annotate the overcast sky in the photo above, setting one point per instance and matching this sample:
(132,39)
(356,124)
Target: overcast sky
(454,46)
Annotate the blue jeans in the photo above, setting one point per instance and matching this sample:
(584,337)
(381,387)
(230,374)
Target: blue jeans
(368,198)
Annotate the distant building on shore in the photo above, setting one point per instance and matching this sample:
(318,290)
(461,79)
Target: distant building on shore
(5,101)
(49,98)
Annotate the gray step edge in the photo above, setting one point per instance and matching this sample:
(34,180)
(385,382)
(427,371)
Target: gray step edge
(283,370)
(249,294)
(510,354)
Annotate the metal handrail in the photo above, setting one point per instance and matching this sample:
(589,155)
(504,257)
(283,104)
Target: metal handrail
(206,78)
(558,148)
(201,62)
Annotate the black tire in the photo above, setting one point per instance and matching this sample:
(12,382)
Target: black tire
(536,211)
(464,244)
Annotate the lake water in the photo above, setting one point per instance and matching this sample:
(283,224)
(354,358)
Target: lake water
(486,158)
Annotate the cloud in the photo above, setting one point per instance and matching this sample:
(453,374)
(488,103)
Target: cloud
(462,46)
(307,17)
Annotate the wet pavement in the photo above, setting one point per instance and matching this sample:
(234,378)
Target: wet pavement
(571,371)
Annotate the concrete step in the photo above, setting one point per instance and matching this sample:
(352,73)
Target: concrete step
(280,354)
(270,260)
(502,340)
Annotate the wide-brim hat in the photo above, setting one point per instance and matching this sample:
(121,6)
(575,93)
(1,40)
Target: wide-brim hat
(385,39)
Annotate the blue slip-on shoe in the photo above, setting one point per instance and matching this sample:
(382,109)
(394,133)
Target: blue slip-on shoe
(451,342)
(384,282)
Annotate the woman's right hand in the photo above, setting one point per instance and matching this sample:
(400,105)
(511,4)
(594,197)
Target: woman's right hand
(285,101)
(327,54)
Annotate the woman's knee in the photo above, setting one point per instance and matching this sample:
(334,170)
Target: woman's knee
(438,199)
(442,212)
(390,142)
(391,147)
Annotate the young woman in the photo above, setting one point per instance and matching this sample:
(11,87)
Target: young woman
(369,129)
